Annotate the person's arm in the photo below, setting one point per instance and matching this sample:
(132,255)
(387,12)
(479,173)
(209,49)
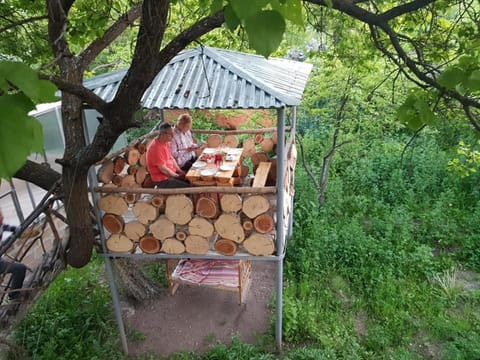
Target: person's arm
(178,168)
(175,146)
(166,171)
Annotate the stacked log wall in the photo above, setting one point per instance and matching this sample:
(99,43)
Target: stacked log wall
(197,223)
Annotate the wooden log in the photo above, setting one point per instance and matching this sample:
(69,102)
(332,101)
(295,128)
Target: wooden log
(259,245)
(158,201)
(259,157)
(226,247)
(108,186)
(128,181)
(258,138)
(134,230)
(267,145)
(274,137)
(272,174)
(173,246)
(149,245)
(263,223)
(231,202)
(118,165)
(243,170)
(214,141)
(201,227)
(144,212)
(117,179)
(105,172)
(230,227)
(114,204)
(119,243)
(255,205)
(140,174)
(141,147)
(162,228)
(206,207)
(143,160)
(247,225)
(181,235)
(131,156)
(113,223)
(179,209)
(197,245)
(131,170)
(248,148)
(230,141)
(131,198)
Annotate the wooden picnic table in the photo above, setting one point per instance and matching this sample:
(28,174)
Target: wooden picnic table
(205,172)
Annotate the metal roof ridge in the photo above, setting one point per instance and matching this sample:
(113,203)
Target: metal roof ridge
(236,70)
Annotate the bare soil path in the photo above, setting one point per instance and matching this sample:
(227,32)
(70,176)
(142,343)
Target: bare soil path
(197,317)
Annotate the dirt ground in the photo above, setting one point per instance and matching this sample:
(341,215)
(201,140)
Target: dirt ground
(197,317)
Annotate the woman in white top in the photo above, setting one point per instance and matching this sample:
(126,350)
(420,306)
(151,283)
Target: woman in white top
(183,144)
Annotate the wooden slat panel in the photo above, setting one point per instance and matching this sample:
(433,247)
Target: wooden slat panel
(261,174)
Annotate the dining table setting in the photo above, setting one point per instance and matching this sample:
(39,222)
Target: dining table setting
(215,166)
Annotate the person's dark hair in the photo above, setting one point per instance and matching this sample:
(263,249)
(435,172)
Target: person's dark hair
(162,129)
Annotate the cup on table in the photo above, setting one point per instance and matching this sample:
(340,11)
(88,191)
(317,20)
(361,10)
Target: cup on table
(218,159)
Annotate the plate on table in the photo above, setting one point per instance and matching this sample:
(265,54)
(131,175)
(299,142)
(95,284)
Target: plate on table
(227,167)
(208,172)
(229,157)
(233,152)
(209,151)
(199,165)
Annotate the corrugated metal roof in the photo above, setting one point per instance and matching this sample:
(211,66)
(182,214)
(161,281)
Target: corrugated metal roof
(211,78)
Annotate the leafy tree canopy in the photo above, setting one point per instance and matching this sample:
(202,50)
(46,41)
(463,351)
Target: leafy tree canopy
(428,49)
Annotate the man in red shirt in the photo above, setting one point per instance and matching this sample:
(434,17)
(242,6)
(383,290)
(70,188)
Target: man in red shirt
(163,168)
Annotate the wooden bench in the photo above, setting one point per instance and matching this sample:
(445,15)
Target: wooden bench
(230,275)
(261,174)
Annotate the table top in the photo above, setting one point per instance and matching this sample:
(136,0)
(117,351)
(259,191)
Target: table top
(205,169)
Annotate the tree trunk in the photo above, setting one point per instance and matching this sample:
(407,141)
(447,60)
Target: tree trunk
(135,286)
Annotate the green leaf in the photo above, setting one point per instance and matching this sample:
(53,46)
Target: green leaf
(415,111)
(451,77)
(27,81)
(21,134)
(216,5)
(473,81)
(247,8)
(290,9)
(265,31)
(231,19)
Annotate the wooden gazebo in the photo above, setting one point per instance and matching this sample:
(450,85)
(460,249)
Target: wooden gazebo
(138,221)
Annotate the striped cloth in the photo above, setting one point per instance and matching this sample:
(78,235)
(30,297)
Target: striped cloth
(207,272)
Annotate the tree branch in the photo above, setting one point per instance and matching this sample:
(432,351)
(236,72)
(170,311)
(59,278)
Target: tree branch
(86,95)
(57,26)
(97,46)
(22,22)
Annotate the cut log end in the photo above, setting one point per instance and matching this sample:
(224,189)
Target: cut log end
(226,247)
(149,245)
(206,207)
(263,223)
(113,223)
(118,243)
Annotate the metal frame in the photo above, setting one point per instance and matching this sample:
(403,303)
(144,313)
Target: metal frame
(281,239)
